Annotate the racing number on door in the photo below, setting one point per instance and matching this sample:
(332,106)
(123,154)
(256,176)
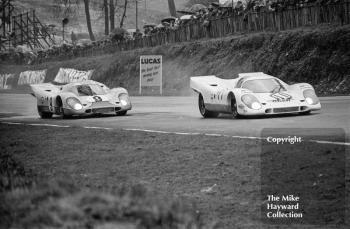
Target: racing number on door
(217,96)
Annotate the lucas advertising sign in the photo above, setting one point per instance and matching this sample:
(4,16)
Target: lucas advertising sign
(151,72)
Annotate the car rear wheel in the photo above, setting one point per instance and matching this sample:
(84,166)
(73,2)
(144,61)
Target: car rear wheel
(204,112)
(121,113)
(234,111)
(44,114)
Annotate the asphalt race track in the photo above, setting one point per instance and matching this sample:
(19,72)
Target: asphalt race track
(180,115)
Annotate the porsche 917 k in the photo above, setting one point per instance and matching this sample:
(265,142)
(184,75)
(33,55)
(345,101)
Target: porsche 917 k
(253,94)
(83,98)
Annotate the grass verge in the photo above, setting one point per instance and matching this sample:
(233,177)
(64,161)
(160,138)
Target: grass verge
(88,178)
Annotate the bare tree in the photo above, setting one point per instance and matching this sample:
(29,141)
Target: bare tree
(67,8)
(88,20)
(105,7)
(172,8)
(111,13)
(124,14)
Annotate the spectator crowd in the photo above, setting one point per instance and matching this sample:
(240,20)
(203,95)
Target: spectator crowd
(200,13)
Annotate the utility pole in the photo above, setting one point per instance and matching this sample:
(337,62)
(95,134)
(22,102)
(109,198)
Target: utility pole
(172,8)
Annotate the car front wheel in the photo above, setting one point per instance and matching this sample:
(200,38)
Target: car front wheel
(121,113)
(305,113)
(234,111)
(43,114)
(65,115)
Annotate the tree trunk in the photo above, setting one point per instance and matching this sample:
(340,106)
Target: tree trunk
(111,13)
(124,14)
(172,8)
(105,7)
(88,20)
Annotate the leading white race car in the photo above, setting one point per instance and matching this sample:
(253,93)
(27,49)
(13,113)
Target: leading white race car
(81,98)
(253,94)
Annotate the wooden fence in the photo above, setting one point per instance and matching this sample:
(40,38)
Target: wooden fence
(337,13)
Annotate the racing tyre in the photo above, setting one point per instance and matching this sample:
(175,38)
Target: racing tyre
(234,111)
(305,113)
(204,112)
(65,116)
(61,110)
(43,114)
(121,113)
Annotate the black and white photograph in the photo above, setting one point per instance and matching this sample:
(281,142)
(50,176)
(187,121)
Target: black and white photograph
(175,114)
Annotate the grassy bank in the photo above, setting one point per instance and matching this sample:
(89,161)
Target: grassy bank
(176,169)
(86,178)
(320,56)
(45,196)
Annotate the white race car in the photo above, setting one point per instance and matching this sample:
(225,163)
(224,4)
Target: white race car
(81,98)
(253,94)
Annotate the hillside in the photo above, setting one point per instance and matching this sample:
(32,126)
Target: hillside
(315,55)
(150,11)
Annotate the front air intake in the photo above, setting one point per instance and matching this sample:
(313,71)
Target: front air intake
(285,109)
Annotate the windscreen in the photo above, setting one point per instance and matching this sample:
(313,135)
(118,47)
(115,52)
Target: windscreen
(90,90)
(263,86)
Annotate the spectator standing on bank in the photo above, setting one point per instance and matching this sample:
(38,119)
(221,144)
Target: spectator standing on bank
(74,38)
(137,34)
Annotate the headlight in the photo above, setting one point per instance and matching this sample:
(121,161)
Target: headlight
(123,102)
(256,105)
(311,97)
(251,101)
(309,100)
(74,103)
(124,99)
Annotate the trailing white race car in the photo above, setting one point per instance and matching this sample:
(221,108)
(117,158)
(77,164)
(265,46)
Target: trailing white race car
(82,98)
(253,94)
